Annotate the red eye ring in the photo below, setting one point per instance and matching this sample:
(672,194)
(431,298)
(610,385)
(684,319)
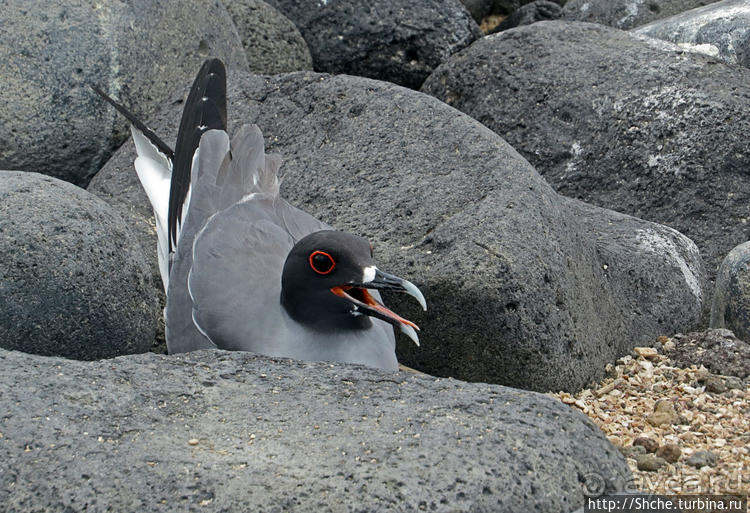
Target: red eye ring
(313,259)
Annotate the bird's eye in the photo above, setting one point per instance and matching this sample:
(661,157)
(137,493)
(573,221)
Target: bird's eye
(321,262)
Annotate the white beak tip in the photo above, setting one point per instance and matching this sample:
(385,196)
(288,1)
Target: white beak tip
(414,292)
(410,332)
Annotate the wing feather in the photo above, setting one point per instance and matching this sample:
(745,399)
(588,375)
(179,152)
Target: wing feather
(245,244)
(154,170)
(205,109)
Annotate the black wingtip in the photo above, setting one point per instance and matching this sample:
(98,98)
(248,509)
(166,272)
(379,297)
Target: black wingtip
(205,109)
(150,135)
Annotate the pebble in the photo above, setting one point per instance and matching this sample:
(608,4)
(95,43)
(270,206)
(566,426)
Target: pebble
(609,387)
(647,443)
(646,352)
(663,414)
(649,462)
(702,373)
(693,419)
(701,459)
(633,451)
(734,383)
(193,441)
(688,436)
(669,452)
(625,360)
(715,384)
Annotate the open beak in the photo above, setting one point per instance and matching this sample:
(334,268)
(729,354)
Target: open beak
(366,304)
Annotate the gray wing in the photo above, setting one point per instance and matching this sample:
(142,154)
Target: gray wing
(201,203)
(235,288)
(235,280)
(224,180)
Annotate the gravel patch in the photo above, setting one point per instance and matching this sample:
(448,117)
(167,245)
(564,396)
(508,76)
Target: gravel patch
(682,430)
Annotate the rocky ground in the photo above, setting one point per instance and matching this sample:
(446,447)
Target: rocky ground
(233,431)
(528,219)
(683,429)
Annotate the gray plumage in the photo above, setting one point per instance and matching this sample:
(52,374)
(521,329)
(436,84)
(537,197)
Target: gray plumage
(225,281)
(242,268)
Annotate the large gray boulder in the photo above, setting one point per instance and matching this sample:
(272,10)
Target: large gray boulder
(218,431)
(136,50)
(538,10)
(272,43)
(625,14)
(524,287)
(396,40)
(718,349)
(720,29)
(632,124)
(73,281)
(730,308)
(510,6)
(478,8)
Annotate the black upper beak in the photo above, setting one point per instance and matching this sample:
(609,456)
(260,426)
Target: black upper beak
(385,281)
(368,305)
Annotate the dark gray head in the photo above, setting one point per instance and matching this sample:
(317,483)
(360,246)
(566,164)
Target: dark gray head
(325,280)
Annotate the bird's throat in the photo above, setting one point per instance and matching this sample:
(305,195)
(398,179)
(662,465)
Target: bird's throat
(323,311)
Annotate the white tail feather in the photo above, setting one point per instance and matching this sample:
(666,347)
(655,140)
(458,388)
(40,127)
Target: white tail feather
(155,171)
(267,176)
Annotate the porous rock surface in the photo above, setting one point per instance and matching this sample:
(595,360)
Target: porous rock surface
(73,280)
(135,50)
(539,10)
(510,6)
(635,125)
(219,431)
(717,349)
(272,42)
(478,8)
(400,41)
(730,307)
(625,14)
(524,287)
(720,29)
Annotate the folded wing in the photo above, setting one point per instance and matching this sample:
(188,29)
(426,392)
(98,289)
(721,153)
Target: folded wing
(236,235)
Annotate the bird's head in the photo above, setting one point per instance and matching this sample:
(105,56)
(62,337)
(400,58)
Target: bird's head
(325,284)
